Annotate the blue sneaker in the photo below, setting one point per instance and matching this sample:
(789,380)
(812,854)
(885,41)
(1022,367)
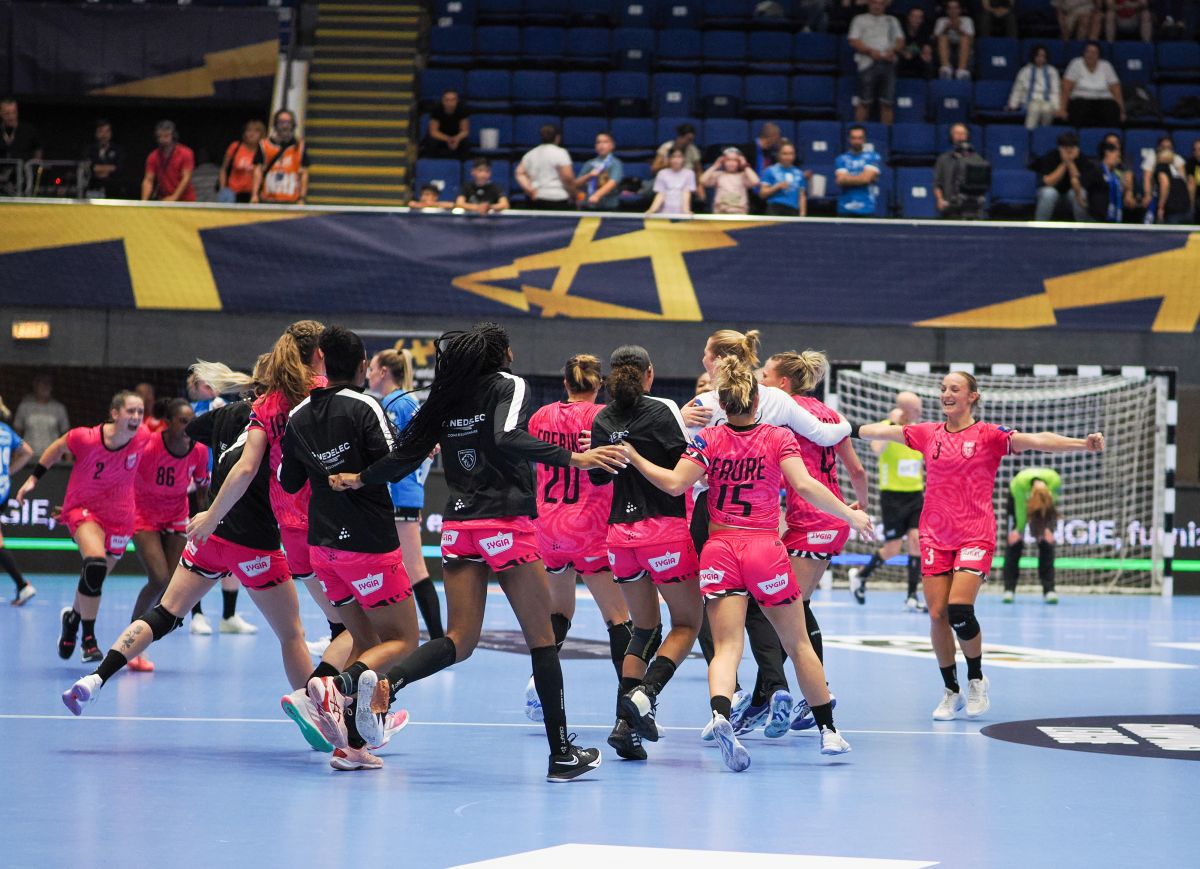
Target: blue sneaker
(780,716)
(741,699)
(533,705)
(754,718)
(802,718)
(732,752)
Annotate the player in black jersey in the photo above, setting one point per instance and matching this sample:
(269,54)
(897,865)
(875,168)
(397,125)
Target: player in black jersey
(478,412)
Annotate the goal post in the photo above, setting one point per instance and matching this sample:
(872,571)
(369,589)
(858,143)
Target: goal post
(1116,511)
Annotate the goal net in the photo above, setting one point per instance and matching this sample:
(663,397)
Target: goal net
(1112,507)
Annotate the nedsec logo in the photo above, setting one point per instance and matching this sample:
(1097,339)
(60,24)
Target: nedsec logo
(1176,737)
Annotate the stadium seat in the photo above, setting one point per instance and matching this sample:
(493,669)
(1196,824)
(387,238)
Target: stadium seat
(446,175)
(588,47)
(435,82)
(1042,140)
(634,13)
(727,13)
(1185,140)
(674,93)
(845,59)
(627,93)
(678,50)
(634,138)
(455,12)
(886,185)
(815,52)
(770,51)
(503,124)
(527,130)
(787,127)
(1140,144)
(914,193)
(579,135)
(721,133)
(451,46)
(1007,146)
(679,13)
(1169,97)
(998,58)
(812,95)
(1013,187)
(1178,61)
(847,90)
(723,50)
(991,98)
(590,13)
(489,88)
(819,142)
(581,92)
(534,90)
(499,11)
(666,126)
(910,106)
(638,170)
(633,48)
(720,94)
(913,143)
(497,45)
(543,46)
(950,99)
(1134,62)
(767,95)
(548,12)
(879,138)
(1090,139)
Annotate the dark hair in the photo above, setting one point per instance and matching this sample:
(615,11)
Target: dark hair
(275,117)
(159,409)
(433,187)
(678,151)
(344,353)
(9,98)
(548,133)
(627,368)
(685,129)
(1038,46)
(608,135)
(481,162)
(167,127)
(582,373)
(173,408)
(1089,44)
(103,122)
(118,400)
(854,127)
(449,91)
(1105,147)
(1067,139)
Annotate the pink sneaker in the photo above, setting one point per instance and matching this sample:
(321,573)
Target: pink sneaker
(348,759)
(393,724)
(330,705)
(141,664)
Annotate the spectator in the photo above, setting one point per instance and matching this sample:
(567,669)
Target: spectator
(1038,89)
(483,196)
(1149,182)
(428,199)
(449,126)
(954,189)
(169,169)
(235,183)
(1174,205)
(857,172)
(1077,19)
(1091,92)
(1130,200)
(1056,171)
(281,164)
(877,41)
(545,173)
(732,178)
(811,15)
(955,34)
(40,419)
(1192,170)
(106,161)
(765,147)
(685,141)
(600,182)
(916,58)
(17,141)
(784,186)
(998,18)
(1126,17)
(674,186)
(1099,187)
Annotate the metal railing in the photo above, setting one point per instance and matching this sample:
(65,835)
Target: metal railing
(58,179)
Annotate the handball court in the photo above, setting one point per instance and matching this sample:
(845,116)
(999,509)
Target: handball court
(194,764)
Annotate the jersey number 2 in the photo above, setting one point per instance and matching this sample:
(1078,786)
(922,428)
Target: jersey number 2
(570,487)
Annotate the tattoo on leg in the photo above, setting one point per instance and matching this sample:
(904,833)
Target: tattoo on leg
(131,636)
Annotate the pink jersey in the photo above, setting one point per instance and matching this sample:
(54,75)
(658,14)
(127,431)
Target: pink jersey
(822,467)
(570,509)
(960,470)
(103,479)
(743,472)
(163,478)
(270,416)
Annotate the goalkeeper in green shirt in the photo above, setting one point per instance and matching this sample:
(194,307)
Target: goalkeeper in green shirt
(1032,498)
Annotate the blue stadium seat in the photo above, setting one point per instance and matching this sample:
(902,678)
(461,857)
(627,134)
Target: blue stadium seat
(813,95)
(489,88)
(678,50)
(1007,146)
(534,90)
(847,90)
(434,82)
(640,171)
(770,51)
(1134,62)
(634,137)
(633,49)
(590,13)
(913,143)
(727,13)
(588,47)
(543,46)
(1169,96)
(1056,51)
(1140,144)
(666,126)
(720,94)
(914,193)
(879,139)
(627,93)
(911,101)
(721,133)
(787,127)
(998,58)
(455,12)
(845,59)
(1178,61)
(550,12)
(674,93)
(819,141)
(767,95)
(723,50)
(1014,187)
(679,13)
(951,100)
(634,13)
(826,171)
(991,99)
(1090,139)
(503,124)
(581,92)
(497,45)
(975,133)
(499,11)
(451,46)
(446,175)
(1042,140)
(527,129)
(816,52)
(579,135)
(1185,140)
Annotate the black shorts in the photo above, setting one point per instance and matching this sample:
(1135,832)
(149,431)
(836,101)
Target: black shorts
(901,512)
(407,514)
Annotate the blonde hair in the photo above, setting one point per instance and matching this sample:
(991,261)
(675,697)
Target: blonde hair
(727,342)
(803,370)
(399,363)
(582,374)
(287,369)
(219,377)
(736,386)
(5,413)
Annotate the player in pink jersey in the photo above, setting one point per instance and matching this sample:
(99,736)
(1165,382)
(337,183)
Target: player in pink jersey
(958,523)
(746,463)
(98,508)
(572,519)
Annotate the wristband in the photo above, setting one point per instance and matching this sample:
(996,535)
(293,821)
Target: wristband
(854,431)
(39,471)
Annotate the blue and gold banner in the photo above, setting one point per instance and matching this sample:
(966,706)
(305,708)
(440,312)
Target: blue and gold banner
(886,273)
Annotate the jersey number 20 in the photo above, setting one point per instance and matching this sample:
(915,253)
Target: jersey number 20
(570,486)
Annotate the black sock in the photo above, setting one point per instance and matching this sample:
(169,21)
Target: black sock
(347,681)
(627,684)
(426,597)
(429,658)
(561,624)
(950,677)
(814,632)
(197,610)
(89,628)
(6,561)
(335,630)
(350,713)
(658,674)
(721,705)
(73,619)
(547,677)
(618,641)
(112,664)
(974,667)
(228,603)
(914,575)
(323,670)
(871,565)
(824,715)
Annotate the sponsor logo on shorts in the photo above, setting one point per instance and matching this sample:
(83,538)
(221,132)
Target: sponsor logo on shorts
(773,586)
(466,458)
(665,562)
(371,584)
(968,449)
(500,543)
(822,536)
(117,543)
(449,538)
(711,576)
(612,558)
(255,566)
(591,558)
(973,553)
(130,461)
(191,548)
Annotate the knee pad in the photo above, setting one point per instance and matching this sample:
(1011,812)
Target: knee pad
(643,643)
(560,624)
(161,621)
(91,578)
(962,620)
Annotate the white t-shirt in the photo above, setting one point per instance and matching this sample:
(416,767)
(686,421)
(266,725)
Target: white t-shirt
(879,32)
(1150,160)
(966,27)
(1091,84)
(542,165)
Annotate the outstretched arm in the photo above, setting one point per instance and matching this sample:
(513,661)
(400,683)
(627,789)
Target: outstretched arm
(1049,442)
(51,456)
(858,474)
(881,431)
(814,493)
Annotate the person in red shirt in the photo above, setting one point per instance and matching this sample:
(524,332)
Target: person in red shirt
(169,168)
(236,180)
(958,523)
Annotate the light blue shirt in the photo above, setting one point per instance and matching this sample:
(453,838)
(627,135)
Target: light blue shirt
(858,200)
(790,195)
(10,442)
(409,492)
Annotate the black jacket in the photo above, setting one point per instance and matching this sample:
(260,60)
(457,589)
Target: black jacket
(655,429)
(486,453)
(338,429)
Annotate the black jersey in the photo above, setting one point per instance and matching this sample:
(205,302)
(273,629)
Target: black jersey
(486,452)
(340,430)
(250,521)
(654,427)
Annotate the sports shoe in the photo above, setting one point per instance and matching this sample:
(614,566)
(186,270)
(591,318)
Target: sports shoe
(317,648)
(638,708)
(235,624)
(662,731)
(576,762)
(533,704)
(200,626)
(1008,597)
(913,605)
(393,723)
(948,709)
(330,705)
(732,752)
(741,699)
(858,586)
(66,640)
(1051,597)
(802,717)
(349,759)
(140,664)
(779,718)
(300,708)
(626,742)
(754,718)
(90,650)
(962,74)
(977,697)
(27,591)
(83,692)
(371,708)
(832,742)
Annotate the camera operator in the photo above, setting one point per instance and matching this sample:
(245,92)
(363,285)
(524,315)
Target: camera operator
(961,178)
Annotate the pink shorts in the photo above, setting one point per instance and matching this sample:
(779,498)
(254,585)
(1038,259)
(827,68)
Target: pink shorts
(500,543)
(672,561)
(970,558)
(371,578)
(117,531)
(819,543)
(585,562)
(753,562)
(295,548)
(217,558)
(160,521)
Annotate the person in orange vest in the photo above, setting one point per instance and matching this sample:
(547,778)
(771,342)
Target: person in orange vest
(236,182)
(281,164)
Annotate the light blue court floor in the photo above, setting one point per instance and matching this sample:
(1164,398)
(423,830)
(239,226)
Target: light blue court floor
(1089,765)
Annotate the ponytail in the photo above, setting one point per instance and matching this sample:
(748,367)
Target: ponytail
(399,363)
(627,372)
(736,386)
(727,342)
(582,374)
(288,367)
(803,370)
(220,378)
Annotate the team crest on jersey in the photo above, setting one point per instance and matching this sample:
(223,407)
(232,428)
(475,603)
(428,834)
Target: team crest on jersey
(130,461)
(466,458)
(968,449)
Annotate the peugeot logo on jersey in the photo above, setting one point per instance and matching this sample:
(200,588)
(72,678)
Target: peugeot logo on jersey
(968,449)
(466,458)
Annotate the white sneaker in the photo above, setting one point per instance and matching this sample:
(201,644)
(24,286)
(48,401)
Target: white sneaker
(963,74)
(330,705)
(348,759)
(27,591)
(1051,597)
(82,693)
(913,605)
(235,624)
(948,709)
(977,697)
(200,626)
(732,751)
(317,648)
(1008,597)
(299,707)
(533,704)
(832,742)
(741,699)
(371,706)
(858,586)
